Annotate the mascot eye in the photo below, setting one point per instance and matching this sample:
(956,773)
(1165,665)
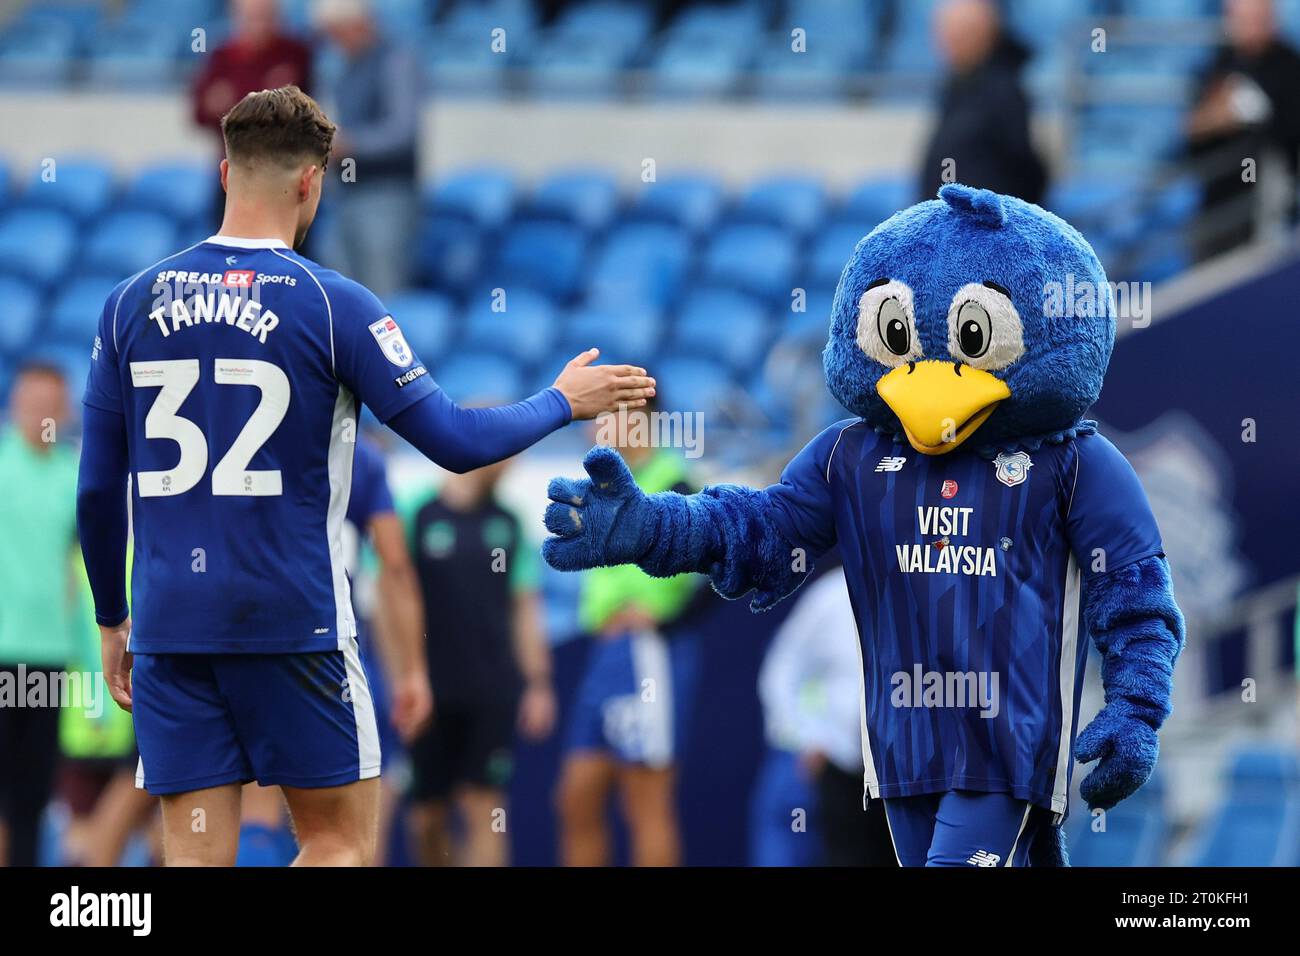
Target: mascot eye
(984,327)
(891,322)
(974,329)
(886,323)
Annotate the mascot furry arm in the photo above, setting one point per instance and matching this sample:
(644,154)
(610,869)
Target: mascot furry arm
(729,532)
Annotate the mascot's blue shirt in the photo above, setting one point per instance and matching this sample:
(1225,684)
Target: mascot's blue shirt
(965,576)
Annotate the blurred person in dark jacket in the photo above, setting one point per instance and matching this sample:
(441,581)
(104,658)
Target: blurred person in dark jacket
(259,55)
(377,105)
(982,135)
(1247,107)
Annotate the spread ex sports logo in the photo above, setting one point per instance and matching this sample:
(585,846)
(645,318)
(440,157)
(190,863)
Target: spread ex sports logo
(238,278)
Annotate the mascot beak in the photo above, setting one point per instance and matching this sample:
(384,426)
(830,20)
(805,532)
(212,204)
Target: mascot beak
(941,404)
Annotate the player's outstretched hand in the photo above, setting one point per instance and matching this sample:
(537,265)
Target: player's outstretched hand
(117,662)
(1125,746)
(600,520)
(592,389)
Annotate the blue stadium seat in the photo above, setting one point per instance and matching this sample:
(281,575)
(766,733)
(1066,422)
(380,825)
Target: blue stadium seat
(757,259)
(126,242)
(822,70)
(696,66)
(449,252)
(463,61)
(543,255)
(524,331)
(1258,823)
(182,191)
(139,54)
(641,262)
(688,383)
(574,65)
(74,317)
(878,198)
(22,309)
(793,202)
(724,325)
(37,243)
(426,322)
(624,333)
(486,197)
(469,377)
(623,26)
(832,246)
(588,198)
(37,53)
(516,17)
(692,201)
(81,187)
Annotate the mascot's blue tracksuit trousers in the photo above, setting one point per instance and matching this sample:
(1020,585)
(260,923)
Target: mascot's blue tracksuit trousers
(964,828)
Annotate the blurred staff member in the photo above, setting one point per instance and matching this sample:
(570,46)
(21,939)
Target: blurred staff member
(489,663)
(1248,105)
(258,56)
(811,693)
(377,106)
(983,113)
(632,708)
(390,623)
(38,476)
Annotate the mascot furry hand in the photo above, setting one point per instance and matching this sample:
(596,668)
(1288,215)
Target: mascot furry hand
(982,522)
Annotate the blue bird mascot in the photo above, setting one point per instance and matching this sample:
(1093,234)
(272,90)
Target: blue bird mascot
(985,526)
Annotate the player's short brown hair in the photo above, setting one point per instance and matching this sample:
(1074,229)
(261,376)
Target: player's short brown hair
(284,125)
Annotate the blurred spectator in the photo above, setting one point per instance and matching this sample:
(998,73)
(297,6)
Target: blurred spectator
(258,56)
(488,660)
(1247,106)
(811,689)
(631,713)
(377,106)
(981,137)
(37,595)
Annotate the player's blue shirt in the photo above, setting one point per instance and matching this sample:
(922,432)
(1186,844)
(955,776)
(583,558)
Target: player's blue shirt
(965,578)
(238,366)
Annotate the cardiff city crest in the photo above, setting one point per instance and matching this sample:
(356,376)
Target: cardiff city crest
(1013,469)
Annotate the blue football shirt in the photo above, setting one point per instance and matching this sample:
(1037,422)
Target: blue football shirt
(965,575)
(238,366)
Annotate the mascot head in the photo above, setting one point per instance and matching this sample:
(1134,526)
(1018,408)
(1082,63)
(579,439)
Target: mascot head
(974,316)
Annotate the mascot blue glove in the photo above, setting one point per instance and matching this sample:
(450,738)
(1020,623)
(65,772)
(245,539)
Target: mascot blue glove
(987,530)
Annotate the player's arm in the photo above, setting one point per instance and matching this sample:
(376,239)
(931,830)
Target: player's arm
(373,360)
(102,523)
(1131,615)
(743,538)
(400,616)
(462,439)
(102,528)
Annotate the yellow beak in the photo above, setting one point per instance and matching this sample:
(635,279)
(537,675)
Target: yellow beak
(941,404)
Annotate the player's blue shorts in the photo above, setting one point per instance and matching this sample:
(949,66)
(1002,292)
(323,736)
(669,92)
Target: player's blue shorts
(297,720)
(635,698)
(964,828)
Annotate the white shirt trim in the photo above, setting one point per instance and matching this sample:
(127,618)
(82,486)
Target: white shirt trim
(239,242)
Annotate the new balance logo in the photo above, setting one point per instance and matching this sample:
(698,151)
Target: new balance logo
(984,858)
(890,464)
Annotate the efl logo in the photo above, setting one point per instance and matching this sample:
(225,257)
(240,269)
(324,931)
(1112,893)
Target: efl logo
(949,489)
(238,278)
